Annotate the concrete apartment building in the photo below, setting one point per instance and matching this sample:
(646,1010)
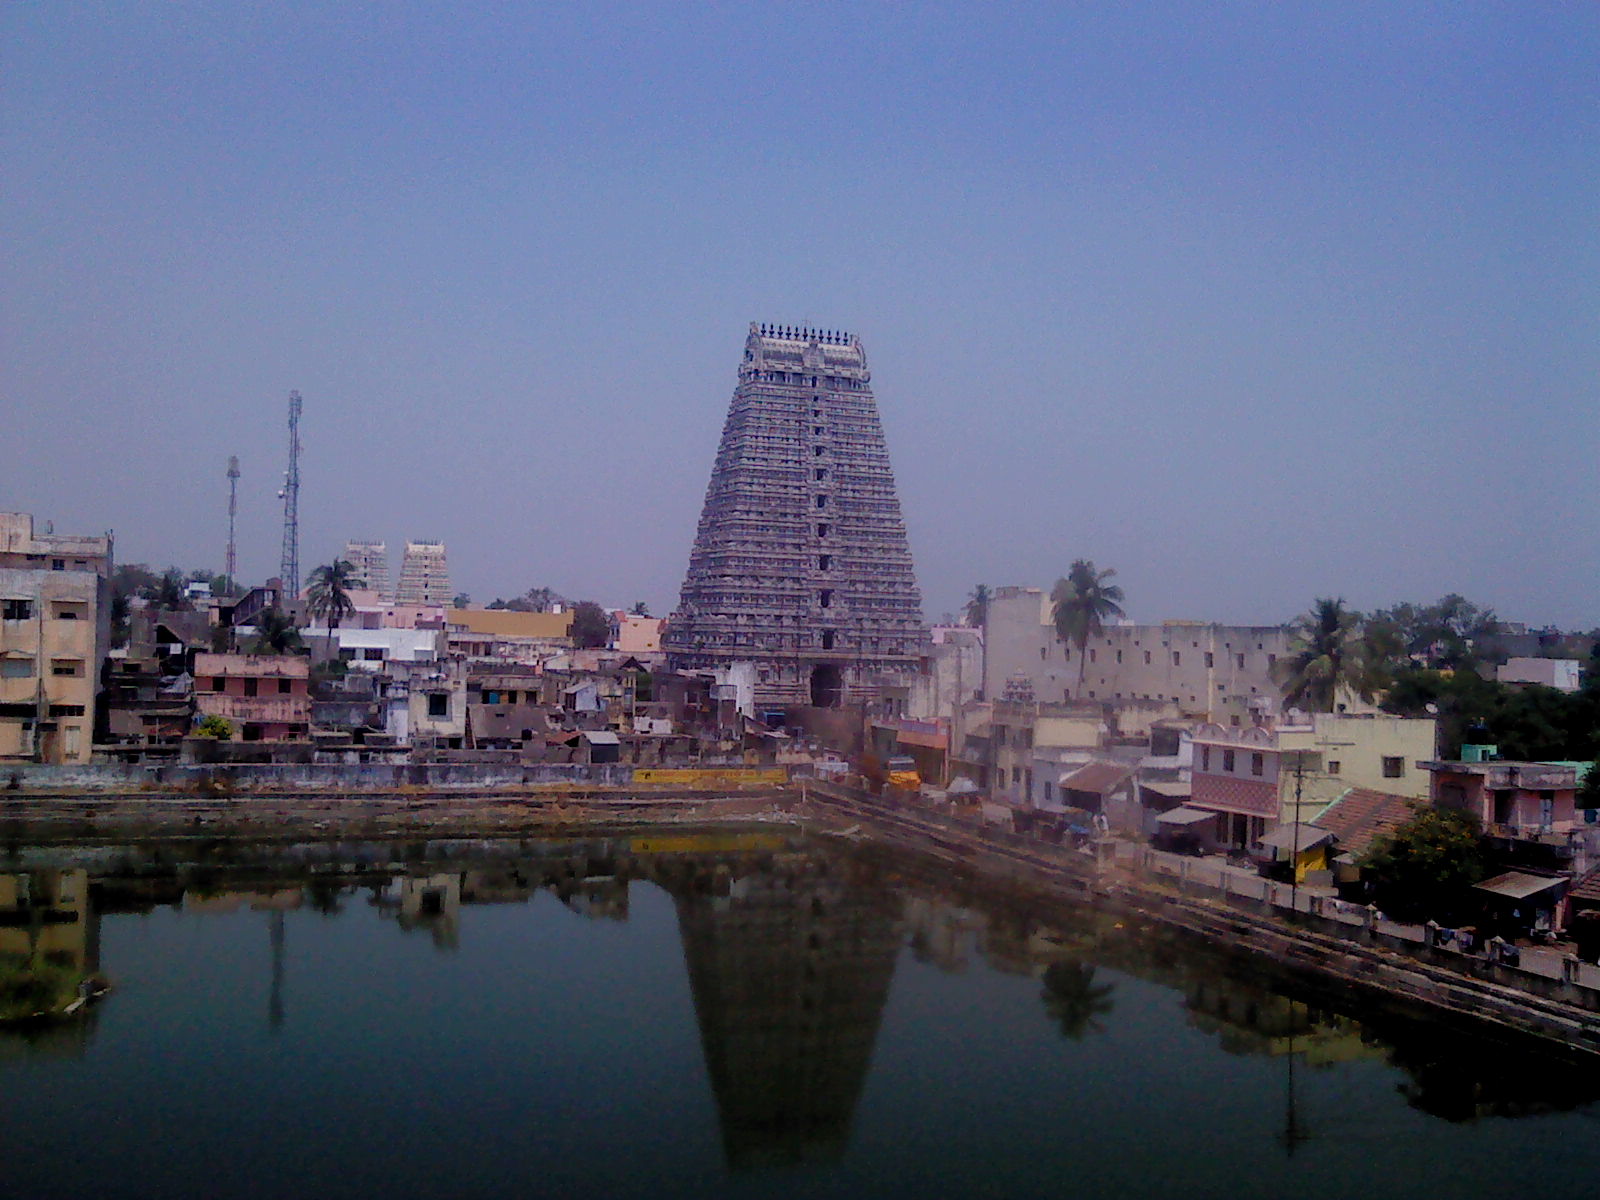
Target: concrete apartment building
(424,575)
(55,631)
(266,697)
(1200,669)
(1249,775)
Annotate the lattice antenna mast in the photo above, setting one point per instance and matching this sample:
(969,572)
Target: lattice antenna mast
(232,559)
(289,567)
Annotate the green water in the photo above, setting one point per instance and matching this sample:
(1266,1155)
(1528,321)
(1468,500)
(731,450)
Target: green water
(611,1018)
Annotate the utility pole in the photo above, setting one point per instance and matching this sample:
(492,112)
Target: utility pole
(1294,835)
(289,567)
(231,559)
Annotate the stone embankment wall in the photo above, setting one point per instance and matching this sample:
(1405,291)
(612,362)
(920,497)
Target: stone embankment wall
(35,779)
(1360,961)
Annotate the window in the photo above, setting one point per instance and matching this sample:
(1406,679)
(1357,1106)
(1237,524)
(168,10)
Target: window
(821,474)
(283,687)
(1048,792)
(219,684)
(1258,764)
(438,704)
(825,598)
(372,654)
(1205,758)
(822,502)
(1147,658)
(16,610)
(252,687)
(1092,655)
(1240,659)
(1177,659)
(1333,766)
(58,564)
(1119,655)
(16,668)
(1394,766)
(1227,760)
(1210,660)
(822,531)
(827,639)
(817,450)
(824,561)
(67,666)
(64,610)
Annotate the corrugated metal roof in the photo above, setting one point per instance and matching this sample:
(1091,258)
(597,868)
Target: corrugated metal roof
(1287,837)
(1185,816)
(1519,885)
(1097,777)
(601,737)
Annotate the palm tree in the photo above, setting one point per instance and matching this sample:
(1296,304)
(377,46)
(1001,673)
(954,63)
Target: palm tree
(329,594)
(275,633)
(1074,1000)
(1084,601)
(977,615)
(1328,655)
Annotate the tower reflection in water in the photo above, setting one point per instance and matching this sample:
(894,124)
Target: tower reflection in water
(790,968)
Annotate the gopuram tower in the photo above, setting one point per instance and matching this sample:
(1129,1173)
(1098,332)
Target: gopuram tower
(800,564)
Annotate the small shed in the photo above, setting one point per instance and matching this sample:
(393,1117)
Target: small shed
(1517,903)
(602,746)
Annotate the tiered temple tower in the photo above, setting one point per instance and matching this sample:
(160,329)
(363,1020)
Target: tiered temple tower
(800,564)
(424,575)
(369,562)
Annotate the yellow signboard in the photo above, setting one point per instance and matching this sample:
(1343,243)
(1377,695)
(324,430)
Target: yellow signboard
(711,776)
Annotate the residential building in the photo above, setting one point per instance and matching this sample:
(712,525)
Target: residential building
(266,697)
(369,562)
(1221,673)
(1290,769)
(1509,799)
(1563,674)
(424,575)
(633,634)
(800,564)
(504,635)
(55,631)
(376,649)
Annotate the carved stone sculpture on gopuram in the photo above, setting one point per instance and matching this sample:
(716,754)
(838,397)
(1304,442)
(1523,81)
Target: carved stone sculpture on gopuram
(800,565)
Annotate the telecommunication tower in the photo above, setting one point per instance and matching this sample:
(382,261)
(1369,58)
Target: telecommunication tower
(233,512)
(289,567)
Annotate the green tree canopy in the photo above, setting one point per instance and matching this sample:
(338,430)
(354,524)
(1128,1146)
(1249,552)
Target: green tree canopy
(1083,602)
(276,633)
(1327,657)
(977,606)
(591,628)
(328,595)
(1425,868)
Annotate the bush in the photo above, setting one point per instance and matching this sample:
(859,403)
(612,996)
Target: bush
(219,728)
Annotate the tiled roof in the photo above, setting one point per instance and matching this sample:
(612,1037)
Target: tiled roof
(1361,814)
(1587,888)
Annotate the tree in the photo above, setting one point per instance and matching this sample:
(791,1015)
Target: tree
(462,600)
(640,609)
(1327,657)
(1444,635)
(169,590)
(977,609)
(1589,790)
(977,614)
(1074,1000)
(1425,868)
(328,595)
(591,627)
(215,727)
(1083,602)
(276,633)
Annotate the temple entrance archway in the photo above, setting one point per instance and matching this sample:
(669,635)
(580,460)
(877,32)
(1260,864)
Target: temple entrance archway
(827,686)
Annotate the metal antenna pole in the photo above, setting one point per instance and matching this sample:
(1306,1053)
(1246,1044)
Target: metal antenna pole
(289,567)
(231,561)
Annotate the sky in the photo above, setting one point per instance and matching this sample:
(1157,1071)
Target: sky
(1252,302)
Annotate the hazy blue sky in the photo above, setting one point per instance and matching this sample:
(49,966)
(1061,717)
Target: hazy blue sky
(1252,302)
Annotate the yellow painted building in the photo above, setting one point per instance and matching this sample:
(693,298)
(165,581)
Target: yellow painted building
(55,631)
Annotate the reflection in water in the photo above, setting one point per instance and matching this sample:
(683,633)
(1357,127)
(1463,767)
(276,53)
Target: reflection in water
(49,951)
(790,948)
(790,968)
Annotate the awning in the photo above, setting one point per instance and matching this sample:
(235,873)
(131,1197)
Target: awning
(1518,885)
(1185,816)
(1174,789)
(601,737)
(1290,837)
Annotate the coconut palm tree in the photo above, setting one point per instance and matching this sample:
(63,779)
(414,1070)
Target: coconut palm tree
(1328,656)
(328,596)
(276,633)
(977,615)
(1084,601)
